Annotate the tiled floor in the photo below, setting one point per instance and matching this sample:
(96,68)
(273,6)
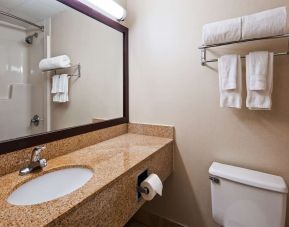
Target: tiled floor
(145,219)
(135,224)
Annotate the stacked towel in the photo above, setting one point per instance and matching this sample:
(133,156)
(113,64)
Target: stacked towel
(267,23)
(230,81)
(60,88)
(222,31)
(259,77)
(62,61)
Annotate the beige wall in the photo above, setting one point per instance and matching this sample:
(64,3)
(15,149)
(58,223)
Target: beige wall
(99,49)
(169,86)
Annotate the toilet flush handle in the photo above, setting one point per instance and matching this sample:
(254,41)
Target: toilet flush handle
(214,179)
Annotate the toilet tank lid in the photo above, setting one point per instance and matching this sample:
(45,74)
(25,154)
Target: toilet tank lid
(249,177)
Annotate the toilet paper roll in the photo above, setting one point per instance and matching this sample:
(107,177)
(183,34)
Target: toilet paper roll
(155,186)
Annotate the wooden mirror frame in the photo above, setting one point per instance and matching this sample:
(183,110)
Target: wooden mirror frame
(8,146)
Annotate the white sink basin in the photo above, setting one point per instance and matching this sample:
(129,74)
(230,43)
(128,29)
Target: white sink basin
(50,186)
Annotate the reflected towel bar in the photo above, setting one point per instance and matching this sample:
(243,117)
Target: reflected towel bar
(204,48)
(73,66)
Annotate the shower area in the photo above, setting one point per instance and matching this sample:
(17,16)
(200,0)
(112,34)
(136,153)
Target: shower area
(23,99)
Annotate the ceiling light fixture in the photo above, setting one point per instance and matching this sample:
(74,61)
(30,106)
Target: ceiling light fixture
(107,6)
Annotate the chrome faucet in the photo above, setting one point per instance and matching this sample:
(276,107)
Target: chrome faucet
(36,162)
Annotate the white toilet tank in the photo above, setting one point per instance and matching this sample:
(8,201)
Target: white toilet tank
(247,198)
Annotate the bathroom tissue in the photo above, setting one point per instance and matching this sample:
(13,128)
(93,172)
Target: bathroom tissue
(155,186)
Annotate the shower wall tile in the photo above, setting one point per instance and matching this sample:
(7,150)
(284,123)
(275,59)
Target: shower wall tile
(21,82)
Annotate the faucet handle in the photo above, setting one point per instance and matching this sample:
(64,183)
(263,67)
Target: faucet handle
(43,163)
(36,153)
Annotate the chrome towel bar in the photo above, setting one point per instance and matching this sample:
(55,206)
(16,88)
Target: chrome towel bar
(204,48)
(78,66)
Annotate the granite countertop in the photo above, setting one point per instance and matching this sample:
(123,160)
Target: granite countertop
(108,160)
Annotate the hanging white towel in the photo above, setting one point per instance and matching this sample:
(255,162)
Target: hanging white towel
(267,23)
(55,84)
(230,81)
(222,31)
(62,61)
(228,71)
(62,92)
(260,99)
(62,83)
(65,81)
(258,70)
(56,97)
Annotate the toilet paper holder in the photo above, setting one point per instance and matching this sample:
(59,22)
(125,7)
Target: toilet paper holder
(143,190)
(140,178)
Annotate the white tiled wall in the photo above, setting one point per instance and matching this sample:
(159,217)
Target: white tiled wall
(20,82)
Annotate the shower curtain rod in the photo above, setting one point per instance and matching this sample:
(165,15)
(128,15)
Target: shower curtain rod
(21,19)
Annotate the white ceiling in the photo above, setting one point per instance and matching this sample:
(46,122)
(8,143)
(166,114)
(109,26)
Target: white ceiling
(32,10)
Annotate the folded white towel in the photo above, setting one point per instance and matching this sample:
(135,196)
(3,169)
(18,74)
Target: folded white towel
(258,70)
(230,81)
(228,71)
(62,90)
(267,23)
(62,61)
(222,31)
(260,99)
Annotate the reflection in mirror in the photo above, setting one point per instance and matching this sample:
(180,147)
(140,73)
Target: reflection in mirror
(82,86)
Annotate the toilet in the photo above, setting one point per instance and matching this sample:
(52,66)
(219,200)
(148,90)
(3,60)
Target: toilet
(247,198)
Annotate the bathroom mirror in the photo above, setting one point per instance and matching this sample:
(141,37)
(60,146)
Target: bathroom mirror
(40,104)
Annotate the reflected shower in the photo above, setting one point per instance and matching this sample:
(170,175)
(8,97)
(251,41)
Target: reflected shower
(29,39)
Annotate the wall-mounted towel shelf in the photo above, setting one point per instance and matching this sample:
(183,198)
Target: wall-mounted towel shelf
(204,48)
(70,67)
